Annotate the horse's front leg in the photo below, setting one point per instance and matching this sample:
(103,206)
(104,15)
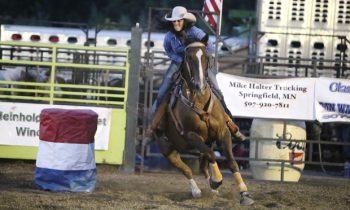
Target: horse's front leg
(197,142)
(203,164)
(175,159)
(204,167)
(233,166)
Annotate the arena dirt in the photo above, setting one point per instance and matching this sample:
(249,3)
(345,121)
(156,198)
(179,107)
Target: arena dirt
(167,190)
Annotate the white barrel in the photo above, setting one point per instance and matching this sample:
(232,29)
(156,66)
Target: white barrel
(276,149)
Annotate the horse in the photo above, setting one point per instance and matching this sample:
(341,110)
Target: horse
(195,121)
(30,75)
(14,74)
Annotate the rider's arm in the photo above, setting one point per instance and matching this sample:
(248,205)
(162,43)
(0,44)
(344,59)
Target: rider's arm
(198,34)
(173,51)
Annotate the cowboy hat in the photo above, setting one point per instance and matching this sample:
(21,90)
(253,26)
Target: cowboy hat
(179,13)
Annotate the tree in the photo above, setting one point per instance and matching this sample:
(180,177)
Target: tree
(97,12)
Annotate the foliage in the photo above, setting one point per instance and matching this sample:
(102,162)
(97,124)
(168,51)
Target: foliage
(109,13)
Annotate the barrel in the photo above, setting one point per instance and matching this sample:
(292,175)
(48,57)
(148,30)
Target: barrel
(65,159)
(290,150)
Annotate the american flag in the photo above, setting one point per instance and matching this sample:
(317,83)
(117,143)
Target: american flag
(209,7)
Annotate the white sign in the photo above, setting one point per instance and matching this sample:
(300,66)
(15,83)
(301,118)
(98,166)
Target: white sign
(332,100)
(19,124)
(268,98)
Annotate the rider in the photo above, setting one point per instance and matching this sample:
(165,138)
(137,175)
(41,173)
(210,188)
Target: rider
(183,28)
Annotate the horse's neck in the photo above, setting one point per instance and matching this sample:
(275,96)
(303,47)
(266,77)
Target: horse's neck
(196,99)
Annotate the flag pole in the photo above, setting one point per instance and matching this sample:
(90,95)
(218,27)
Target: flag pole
(218,32)
(220,17)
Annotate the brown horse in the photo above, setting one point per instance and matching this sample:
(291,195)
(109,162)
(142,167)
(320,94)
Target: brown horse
(196,120)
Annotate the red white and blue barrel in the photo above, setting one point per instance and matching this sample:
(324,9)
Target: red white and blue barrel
(66,160)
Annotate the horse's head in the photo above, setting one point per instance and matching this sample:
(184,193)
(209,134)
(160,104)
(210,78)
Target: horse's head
(195,70)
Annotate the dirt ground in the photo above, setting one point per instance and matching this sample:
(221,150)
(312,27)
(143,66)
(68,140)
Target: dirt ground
(167,190)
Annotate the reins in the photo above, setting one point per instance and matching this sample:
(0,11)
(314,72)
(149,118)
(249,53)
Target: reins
(203,113)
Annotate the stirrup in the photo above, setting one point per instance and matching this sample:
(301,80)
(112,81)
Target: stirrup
(149,136)
(152,134)
(232,127)
(234,130)
(239,136)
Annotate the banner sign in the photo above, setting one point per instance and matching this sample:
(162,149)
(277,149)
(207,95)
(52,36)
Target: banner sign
(332,100)
(19,124)
(268,98)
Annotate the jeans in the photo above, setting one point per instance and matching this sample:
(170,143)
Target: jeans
(214,84)
(167,83)
(216,90)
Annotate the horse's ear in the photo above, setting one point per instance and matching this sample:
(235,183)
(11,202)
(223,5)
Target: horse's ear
(205,39)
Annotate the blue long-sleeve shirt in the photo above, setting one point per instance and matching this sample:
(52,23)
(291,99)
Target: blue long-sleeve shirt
(175,49)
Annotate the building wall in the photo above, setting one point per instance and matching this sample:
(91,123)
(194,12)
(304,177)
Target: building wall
(304,29)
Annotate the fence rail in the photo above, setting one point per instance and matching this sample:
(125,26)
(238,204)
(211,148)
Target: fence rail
(262,67)
(46,74)
(84,75)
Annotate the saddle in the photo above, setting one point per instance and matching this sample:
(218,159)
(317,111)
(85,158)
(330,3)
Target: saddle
(169,102)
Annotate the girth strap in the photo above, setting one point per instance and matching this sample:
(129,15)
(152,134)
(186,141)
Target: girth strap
(204,114)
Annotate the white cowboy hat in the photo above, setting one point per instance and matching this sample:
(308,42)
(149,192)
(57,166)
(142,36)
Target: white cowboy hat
(179,13)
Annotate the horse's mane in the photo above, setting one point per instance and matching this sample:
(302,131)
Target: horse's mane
(195,44)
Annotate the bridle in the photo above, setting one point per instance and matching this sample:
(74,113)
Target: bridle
(187,66)
(187,99)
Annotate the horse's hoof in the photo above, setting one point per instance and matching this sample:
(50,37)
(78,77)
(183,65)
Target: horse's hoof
(215,192)
(246,199)
(239,136)
(215,185)
(196,193)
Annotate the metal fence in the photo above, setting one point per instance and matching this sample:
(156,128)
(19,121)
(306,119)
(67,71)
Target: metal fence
(85,73)
(260,67)
(67,75)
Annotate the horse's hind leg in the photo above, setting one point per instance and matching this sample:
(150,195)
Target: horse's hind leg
(233,166)
(175,159)
(204,167)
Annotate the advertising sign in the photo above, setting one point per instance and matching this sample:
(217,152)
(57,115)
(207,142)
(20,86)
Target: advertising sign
(19,124)
(268,98)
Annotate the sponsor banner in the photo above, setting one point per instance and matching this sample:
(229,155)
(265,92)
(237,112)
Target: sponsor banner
(268,98)
(332,100)
(19,124)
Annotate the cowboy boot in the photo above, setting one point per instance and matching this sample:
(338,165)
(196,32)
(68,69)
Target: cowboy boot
(230,124)
(151,133)
(234,130)
(149,136)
